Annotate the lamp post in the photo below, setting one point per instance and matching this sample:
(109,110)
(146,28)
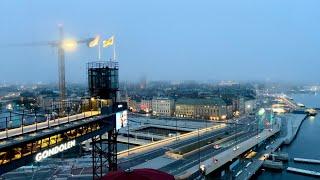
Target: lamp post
(68,111)
(176,129)
(22,121)
(91,100)
(35,118)
(48,118)
(199,148)
(7,127)
(10,109)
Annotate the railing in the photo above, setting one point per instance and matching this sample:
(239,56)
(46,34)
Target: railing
(103,64)
(15,122)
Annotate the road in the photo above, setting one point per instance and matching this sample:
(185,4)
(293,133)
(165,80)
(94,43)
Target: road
(193,160)
(231,129)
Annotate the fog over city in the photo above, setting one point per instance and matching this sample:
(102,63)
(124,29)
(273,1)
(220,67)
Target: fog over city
(166,40)
(159,90)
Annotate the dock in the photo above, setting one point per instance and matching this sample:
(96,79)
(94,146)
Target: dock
(303,171)
(280,156)
(311,161)
(293,125)
(278,165)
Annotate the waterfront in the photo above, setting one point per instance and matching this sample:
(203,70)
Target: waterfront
(304,146)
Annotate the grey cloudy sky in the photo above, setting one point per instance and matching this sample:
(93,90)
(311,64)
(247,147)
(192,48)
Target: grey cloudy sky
(169,40)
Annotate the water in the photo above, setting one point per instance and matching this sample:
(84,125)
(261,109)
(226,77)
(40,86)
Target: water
(306,144)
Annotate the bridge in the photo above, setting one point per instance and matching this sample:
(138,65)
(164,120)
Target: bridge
(32,142)
(183,155)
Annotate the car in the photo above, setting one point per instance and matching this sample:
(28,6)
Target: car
(236,148)
(248,164)
(216,146)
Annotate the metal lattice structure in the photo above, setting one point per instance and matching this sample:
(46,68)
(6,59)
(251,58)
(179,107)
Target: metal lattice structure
(104,154)
(61,66)
(103,83)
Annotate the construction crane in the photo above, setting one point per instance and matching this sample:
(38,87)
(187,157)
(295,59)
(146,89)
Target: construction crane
(62,45)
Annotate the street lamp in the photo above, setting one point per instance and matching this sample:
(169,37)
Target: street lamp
(92,100)
(202,169)
(9,107)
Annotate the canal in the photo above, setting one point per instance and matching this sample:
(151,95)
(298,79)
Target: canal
(306,144)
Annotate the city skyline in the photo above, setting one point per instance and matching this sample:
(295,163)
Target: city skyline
(166,41)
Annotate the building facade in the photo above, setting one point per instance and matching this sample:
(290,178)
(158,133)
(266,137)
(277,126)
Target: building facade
(146,105)
(250,106)
(238,106)
(162,106)
(213,108)
(185,109)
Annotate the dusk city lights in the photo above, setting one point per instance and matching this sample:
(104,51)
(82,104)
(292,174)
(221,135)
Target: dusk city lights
(159,90)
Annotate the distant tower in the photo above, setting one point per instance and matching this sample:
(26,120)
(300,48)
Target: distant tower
(143,82)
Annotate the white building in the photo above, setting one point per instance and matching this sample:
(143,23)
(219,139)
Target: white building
(250,106)
(162,106)
(146,105)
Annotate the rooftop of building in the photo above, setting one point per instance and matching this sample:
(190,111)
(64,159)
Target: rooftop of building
(161,98)
(210,101)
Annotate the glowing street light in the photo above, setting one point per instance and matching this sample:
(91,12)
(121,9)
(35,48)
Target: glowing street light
(261,112)
(9,107)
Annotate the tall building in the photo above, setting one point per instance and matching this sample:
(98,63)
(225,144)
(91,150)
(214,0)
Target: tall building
(162,106)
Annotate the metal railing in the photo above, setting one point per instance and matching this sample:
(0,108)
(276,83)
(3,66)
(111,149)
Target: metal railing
(46,117)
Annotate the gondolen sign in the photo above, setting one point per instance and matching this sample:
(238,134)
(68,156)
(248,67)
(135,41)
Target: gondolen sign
(55,150)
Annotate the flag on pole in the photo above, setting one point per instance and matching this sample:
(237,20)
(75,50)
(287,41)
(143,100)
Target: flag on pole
(108,42)
(94,42)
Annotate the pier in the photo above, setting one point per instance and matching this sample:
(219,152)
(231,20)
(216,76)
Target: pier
(278,165)
(294,122)
(311,161)
(280,156)
(303,171)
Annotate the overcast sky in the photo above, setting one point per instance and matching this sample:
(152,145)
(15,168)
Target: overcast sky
(167,40)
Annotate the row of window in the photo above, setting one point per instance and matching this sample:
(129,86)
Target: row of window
(36,146)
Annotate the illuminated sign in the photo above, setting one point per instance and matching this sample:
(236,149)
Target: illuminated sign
(121,119)
(55,150)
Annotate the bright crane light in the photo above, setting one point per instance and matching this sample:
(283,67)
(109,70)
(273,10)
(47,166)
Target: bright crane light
(69,45)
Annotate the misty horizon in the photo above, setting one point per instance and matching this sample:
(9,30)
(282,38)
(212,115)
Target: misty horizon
(207,41)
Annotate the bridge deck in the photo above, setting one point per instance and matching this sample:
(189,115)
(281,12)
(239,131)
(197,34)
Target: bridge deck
(43,125)
(228,154)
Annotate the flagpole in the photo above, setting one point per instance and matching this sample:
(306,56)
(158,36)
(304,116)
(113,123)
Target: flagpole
(114,50)
(99,51)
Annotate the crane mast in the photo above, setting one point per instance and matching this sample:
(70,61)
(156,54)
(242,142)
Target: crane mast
(59,44)
(61,65)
